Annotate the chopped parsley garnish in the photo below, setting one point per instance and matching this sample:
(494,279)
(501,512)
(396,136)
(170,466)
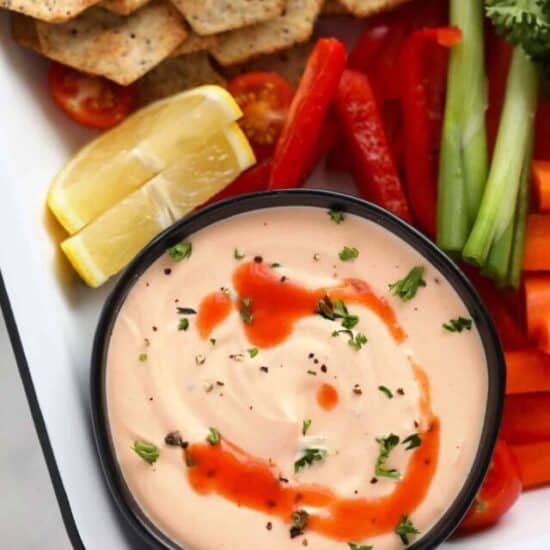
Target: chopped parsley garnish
(183,324)
(387,444)
(305,425)
(336,215)
(143,357)
(407,288)
(246,314)
(310,456)
(458,325)
(213,341)
(275,264)
(356,341)
(405,528)
(312,372)
(348,253)
(386,391)
(189,460)
(299,520)
(336,310)
(253,352)
(411,442)
(147,451)
(354,546)
(213,437)
(180,251)
(186,311)
(237,255)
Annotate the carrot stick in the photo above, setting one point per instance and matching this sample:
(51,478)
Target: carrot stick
(541,183)
(537,246)
(533,462)
(537,303)
(526,418)
(527,371)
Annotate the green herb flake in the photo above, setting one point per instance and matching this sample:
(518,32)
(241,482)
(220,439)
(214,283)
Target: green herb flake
(214,437)
(312,372)
(407,288)
(237,255)
(348,253)
(299,519)
(183,324)
(190,462)
(142,357)
(405,528)
(147,451)
(213,341)
(274,265)
(354,546)
(253,352)
(180,251)
(246,315)
(458,325)
(386,391)
(412,441)
(336,215)
(336,310)
(358,341)
(387,444)
(310,456)
(306,425)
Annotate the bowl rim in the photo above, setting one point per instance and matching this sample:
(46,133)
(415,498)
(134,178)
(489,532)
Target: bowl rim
(133,516)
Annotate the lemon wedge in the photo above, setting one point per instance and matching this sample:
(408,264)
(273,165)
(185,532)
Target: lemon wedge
(121,160)
(111,241)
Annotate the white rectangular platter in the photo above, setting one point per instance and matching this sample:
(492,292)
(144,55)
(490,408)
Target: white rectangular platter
(51,317)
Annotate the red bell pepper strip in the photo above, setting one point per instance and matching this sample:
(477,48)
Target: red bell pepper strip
(421,161)
(542,131)
(375,172)
(307,113)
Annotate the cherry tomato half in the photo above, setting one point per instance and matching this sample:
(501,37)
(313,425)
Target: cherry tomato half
(90,100)
(499,491)
(264,99)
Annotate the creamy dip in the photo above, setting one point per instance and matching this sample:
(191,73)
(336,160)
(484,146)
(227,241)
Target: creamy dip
(357,425)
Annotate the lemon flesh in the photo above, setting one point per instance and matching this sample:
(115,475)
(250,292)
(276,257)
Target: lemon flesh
(121,160)
(110,242)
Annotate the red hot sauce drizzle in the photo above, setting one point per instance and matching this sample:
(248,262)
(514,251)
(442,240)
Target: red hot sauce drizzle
(231,472)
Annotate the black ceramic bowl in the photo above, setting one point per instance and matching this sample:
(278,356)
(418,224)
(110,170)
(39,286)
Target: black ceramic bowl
(131,513)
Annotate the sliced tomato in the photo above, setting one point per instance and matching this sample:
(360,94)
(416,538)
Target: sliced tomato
(264,99)
(500,490)
(90,100)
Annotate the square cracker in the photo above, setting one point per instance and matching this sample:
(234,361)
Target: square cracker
(294,27)
(124,7)
(195,43)
(174,75)
(215,16)
(364,8)
(107,44)
(53,11)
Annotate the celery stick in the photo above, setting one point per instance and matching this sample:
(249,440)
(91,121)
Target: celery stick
(498,205)
(498,261)
(463,160)
(522,210)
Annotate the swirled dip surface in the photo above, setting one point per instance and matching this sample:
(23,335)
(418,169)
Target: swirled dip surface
(335,410)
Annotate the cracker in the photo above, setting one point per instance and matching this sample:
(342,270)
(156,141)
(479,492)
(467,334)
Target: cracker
(53,11)
(290,63)
(107,44)
(174,75)
(364,8)
(195,43)
(294,27)
(334,7)
(124,7)
(215,16)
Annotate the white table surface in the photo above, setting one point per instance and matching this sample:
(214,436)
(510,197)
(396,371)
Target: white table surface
(29,514)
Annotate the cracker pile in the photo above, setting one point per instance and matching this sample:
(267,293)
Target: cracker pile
(165,46)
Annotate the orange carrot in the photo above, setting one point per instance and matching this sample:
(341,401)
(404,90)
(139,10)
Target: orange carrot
(527,371)
(541,183)
(526,418)
(533,462)
(537,244)
(537,303)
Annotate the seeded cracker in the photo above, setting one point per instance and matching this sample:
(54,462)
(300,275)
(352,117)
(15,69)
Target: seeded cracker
(53,11)
(124,7)
(174,75)
(195,43)
(364,8)
(107,44)
(215,16)
(294,27)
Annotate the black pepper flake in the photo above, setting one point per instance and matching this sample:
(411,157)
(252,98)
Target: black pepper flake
(311,355)
(324,368)
(400,391)
(167,271)
(174,440)
(264,369)
(357,390)
(416,424)
(316,361)
(283,479)
(269,526)
(155,328)
(220,383)
(283,279)
(436,280)
(356,492)
(305,542)
(258,259)
(295,532)
(374,480)
(150,399)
